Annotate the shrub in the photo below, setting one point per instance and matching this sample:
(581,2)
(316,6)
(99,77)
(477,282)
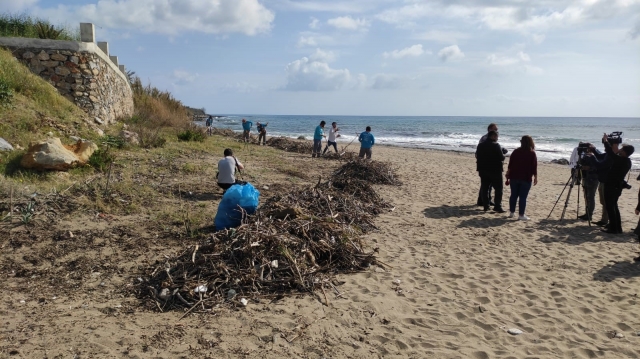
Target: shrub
(149,137)
(101,159)
(22,25)
(6,93)
(192,134)
(47,31)
(112,141)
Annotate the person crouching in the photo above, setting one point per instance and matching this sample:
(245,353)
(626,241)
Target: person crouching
(227,170)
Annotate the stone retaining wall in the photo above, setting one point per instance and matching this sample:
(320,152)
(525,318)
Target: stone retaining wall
(81,72)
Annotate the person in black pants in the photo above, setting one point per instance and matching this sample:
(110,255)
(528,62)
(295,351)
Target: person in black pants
(620,166)
(489,165)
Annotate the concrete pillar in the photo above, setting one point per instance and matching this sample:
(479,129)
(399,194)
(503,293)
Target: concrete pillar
(114,59)
(104,46)
(123,69)
(87,32)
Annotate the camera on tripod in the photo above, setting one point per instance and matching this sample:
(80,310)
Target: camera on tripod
(614,137)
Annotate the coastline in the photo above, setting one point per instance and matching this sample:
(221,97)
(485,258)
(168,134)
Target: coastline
(458,278)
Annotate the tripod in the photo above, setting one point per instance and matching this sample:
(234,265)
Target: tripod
(576,177)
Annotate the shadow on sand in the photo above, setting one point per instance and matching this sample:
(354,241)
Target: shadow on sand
(484,222)
(618,270)
(565,231)
(445,211)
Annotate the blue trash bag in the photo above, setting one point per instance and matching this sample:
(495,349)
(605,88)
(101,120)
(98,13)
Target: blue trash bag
(229,214)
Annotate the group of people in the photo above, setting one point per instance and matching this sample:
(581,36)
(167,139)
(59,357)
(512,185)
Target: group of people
(602,172)
(605,173)
(260,127)
(366,139)
(522,172)
(228,165)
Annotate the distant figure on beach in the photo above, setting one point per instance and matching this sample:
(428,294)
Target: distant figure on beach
(366,142)
(523,165)
(619,164)
(331,140)
(227,170)
(262,132)
(246,129)
(318,135)
(489,165)
(491,127)
(209,124)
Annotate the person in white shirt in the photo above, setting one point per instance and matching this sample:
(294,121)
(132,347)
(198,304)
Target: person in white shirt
(227,170)
(331,140)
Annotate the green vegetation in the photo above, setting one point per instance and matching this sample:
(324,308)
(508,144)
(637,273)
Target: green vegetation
(31,108)
(22,25)
(192,134)
(157,113)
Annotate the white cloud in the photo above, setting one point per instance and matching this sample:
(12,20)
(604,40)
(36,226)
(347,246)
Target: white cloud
(307,74)
(348,23)
(413,51)
(307,41)
(522,16)
(442,36)
(452,52)
(388,82)
(314,24)
(181,77)
(350,6)
(324,56)
(248,17)
(520,63)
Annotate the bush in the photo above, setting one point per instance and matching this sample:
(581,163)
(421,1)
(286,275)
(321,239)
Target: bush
(112,141)
(6,93)
(22,25)
(192,134)
(149,137)
(101,159)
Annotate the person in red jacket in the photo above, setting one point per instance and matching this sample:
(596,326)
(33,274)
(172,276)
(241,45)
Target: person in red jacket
(523,166)
(637,230)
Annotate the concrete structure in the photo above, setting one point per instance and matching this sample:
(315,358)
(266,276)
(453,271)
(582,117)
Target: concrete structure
(87,32)
(83,72)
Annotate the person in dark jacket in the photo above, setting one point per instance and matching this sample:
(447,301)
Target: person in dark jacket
(620,166)
(491,127)
(489,165)
(523,167)
(590,185)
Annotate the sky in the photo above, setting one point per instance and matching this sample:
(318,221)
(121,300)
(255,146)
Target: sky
(374,57)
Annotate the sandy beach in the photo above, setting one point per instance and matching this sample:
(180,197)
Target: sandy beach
(460,278)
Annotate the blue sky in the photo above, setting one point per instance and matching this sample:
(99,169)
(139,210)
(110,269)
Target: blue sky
(375,57)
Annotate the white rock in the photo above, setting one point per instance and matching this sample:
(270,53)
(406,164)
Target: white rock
(165,294)
(397,281)
(619,335)
(74,138)
(4,145)
(98,120)
(514,331)
(201,289)
(274,263)
(244,302)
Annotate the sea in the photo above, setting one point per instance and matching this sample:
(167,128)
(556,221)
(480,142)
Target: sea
(555,137)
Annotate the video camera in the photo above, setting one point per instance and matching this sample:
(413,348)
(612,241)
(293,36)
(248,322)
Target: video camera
(614,137)
(583,147)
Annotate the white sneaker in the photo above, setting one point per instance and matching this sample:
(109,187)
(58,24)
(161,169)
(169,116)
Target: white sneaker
(523,218)
(512,214)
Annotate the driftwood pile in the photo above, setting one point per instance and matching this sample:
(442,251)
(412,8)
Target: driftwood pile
(289,145)
(295,243)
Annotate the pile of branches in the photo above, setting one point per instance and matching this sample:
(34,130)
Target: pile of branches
(290,145)
(376,172)
(295,243)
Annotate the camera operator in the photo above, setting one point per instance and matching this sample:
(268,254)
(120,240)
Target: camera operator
(619,164)
(589,177)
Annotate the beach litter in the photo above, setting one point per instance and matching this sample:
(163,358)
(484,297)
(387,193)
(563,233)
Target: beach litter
(270,255)
(514,331)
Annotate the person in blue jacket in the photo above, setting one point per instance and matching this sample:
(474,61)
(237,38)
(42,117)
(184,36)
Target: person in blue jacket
(318,135)
(209,124)
(246,128)
(366,142)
